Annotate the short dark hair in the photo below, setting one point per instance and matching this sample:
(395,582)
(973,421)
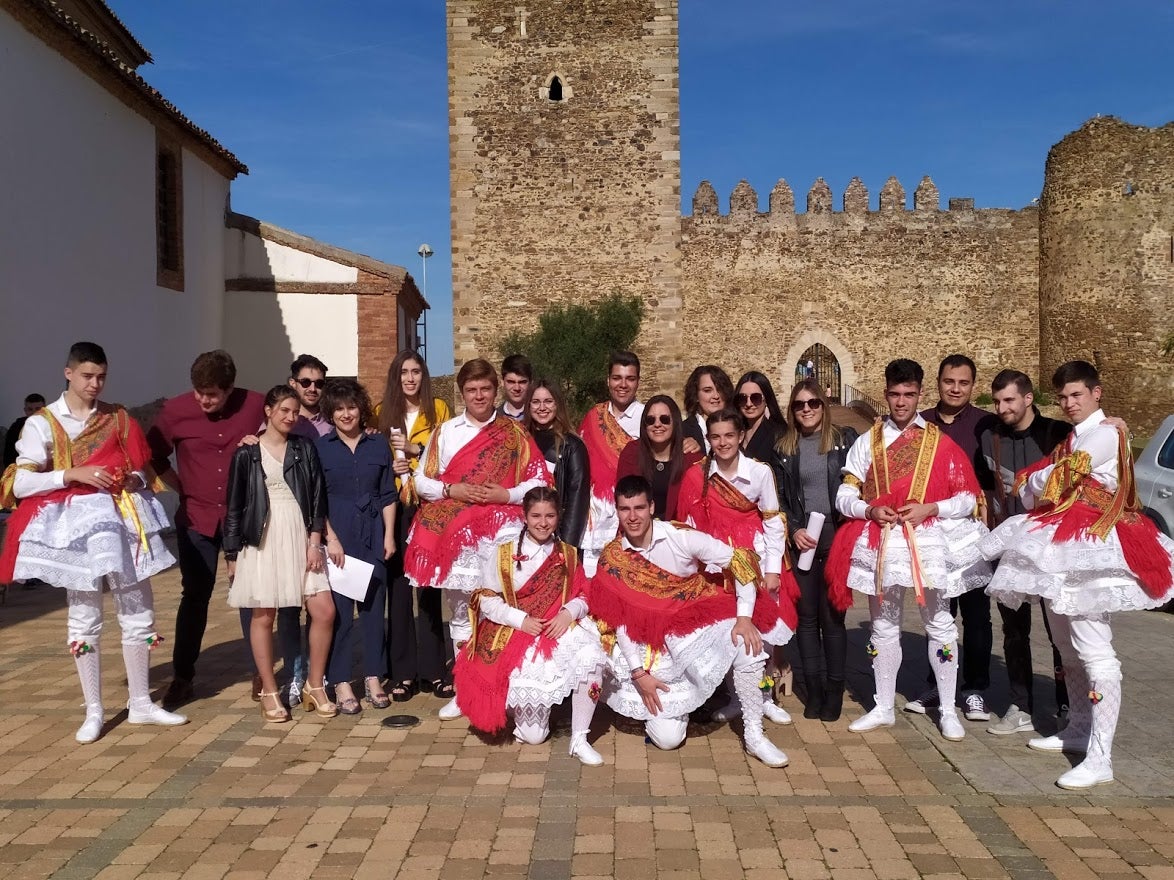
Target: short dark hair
(539,494)
(903,370)
(632,486)
(35,398)
(726,415)
(1076,371)
(339,392)
(619,358)
(519,365)
(951,361)
(302,362)
(86,353)
(213,369)
(1019,379)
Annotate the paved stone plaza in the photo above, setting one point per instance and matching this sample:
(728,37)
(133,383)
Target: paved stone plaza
(228,796)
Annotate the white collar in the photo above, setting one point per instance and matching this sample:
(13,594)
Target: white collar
(628,411)
(659,533)
(917,420)
(742,472)
(509,410)
(1088,424)
(61,408)
(469,420)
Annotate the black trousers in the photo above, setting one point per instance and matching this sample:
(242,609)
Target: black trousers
(198,557)
(977,641)
(821,627)
(1017,654)
(418,643)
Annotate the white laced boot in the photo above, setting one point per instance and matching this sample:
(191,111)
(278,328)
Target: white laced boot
(885,662)
(746,682)
(89,671)
(1073,738)
(450,711)
(140,709)
(583,702)
(1097,767)
(774,712)
(944,663)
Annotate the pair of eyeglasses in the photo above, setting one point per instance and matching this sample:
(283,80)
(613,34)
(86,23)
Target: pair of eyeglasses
(662,418)
(814,404)
(317,383)
(754,399)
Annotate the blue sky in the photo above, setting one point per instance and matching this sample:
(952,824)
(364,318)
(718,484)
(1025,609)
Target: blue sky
(340,109)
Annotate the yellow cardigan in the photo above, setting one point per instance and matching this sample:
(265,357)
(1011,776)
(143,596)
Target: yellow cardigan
(422,430)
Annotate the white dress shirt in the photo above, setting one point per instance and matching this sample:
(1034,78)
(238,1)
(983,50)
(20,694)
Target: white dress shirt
(497,609)
(453,436)
(35,447)
(756,481)
(629,419)
(848,499)
(682,552)
(1096,438)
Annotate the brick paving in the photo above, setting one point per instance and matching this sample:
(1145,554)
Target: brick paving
(228,796)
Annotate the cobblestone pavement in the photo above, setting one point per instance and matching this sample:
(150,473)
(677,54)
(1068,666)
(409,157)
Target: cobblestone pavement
(228,796)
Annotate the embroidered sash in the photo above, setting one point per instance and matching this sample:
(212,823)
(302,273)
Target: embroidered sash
(605,440)
(502,453)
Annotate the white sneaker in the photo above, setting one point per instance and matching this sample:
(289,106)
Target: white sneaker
(152,714)
(928,700)
(878,717)
(728,712)
(450,711)
(1058,744)
(1085,776)
(582,750)
(91,728)
(951,727)
(974,707)
(767,752)
(775,713)
(294,697)
(1015,721)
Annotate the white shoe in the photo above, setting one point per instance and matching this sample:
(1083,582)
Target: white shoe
(152,714)
(1058,744)
(1015,721)
(730,711)
(767,752)
(775,713)
(1084,776)
(450,711)
(951,727)
(582,750)
(878,717)
(91,728)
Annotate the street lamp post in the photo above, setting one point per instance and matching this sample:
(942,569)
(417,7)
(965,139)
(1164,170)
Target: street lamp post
(425,251)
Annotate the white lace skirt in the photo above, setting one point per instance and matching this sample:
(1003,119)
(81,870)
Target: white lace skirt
(692,667)
(1087,576)
(603,524)
(274,574)
(948,550)
(548,681)
(77,543)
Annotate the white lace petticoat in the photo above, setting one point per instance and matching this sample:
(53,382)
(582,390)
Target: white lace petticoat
(947,548)
(692,667)
(1086,576)
(77,543)
(548,681)
(465,574)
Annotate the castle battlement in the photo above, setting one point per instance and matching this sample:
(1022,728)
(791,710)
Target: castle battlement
(855,207)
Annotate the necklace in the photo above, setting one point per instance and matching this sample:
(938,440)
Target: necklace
(660,465)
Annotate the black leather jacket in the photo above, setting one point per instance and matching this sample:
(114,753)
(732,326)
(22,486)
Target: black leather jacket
(248,499)
(791,485)
(572,479)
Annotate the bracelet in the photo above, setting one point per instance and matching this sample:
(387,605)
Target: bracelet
(447,490)
(640,673)
(318,547)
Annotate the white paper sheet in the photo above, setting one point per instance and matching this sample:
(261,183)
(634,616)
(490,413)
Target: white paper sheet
(352,580)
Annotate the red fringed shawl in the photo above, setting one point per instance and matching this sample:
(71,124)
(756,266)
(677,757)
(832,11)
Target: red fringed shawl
(605,440)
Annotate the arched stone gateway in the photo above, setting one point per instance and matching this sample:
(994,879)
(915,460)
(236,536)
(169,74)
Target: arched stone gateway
(830,363)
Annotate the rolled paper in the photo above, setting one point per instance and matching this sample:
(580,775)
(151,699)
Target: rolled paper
(814,527)
(399,453)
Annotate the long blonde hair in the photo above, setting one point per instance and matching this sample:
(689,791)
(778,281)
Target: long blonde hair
(829,434)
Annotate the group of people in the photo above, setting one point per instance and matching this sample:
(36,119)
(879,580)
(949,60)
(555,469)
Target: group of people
(652,558)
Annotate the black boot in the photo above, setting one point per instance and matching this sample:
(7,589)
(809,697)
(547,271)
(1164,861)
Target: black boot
(815,697)
(833,701)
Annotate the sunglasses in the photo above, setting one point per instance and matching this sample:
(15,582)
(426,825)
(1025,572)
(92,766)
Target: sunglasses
(814,404)
(317,383)
(754,399)
(663,419)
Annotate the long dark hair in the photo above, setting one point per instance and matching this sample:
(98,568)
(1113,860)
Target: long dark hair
(829,434)
(721,381)
(676,445)
(773,413)
(561,424)
(394,408)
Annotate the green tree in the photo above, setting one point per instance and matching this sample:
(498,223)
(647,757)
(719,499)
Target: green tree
(572,343)
(1168,345)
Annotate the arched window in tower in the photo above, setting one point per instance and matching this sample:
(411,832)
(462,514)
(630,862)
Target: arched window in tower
(819,363)
(555,92)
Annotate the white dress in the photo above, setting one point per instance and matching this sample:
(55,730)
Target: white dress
(274,574)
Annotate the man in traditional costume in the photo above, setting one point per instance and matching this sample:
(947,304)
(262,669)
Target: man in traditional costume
(470,482)
(909,497)
(734,498)
(678,631)
(607,428)
(527,652)
(88,521)
(1087,550)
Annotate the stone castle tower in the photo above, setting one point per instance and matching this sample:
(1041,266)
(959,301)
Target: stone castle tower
(565,165)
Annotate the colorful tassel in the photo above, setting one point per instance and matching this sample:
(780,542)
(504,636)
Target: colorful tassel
(870,650)
(154,640)
(79,648)
(945,654)
(593,691)
(1095,697)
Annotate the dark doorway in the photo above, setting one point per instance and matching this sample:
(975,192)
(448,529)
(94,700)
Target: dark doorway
(820,364)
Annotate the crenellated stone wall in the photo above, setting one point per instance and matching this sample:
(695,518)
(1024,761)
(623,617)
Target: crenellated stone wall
(871,285)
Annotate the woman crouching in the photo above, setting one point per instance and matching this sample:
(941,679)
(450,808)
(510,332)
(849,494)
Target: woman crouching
(527,653)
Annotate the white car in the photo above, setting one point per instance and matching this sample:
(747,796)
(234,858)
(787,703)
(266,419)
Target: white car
(1155,477)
